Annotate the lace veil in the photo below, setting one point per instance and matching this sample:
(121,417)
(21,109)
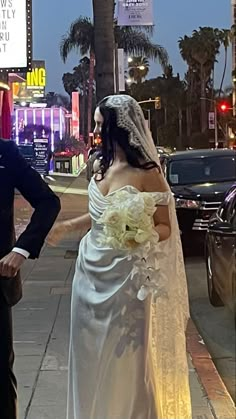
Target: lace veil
(166,372)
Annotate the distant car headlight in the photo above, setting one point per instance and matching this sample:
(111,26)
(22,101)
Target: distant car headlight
(187,203)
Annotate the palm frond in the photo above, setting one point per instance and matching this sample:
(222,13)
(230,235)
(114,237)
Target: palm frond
(136,42)
(66,47)
(80,37)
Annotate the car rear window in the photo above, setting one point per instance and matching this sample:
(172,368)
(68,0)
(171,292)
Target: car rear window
(202,170)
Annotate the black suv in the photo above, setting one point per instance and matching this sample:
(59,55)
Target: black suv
(199,180)
(221,253)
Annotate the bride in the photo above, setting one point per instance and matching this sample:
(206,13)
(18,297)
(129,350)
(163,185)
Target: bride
(127,357)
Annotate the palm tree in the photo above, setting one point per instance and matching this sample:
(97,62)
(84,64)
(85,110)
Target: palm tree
(200,51)
(134,41)
(138,68)
(226,37)
(56,100)
(79,81)
(81,37)
(70,83)
(104,43)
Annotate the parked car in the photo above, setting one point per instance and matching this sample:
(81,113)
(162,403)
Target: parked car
(221,253)
(199,180)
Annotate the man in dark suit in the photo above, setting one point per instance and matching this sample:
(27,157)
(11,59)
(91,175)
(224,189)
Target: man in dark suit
(16,173)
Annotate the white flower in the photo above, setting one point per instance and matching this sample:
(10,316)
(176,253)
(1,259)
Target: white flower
(128,240)
(128,220)
(149,203)
(111,217)
(142,236)
(146,222)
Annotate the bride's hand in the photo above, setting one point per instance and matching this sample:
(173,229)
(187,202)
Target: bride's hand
(58,232)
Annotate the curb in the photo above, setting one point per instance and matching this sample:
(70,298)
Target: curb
(219,398)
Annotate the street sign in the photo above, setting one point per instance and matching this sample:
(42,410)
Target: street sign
(211,120)
(41,152)
(135,12)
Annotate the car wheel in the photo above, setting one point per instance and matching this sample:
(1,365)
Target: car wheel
(214,297)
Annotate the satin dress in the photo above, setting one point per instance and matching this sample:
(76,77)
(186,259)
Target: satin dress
(106,358)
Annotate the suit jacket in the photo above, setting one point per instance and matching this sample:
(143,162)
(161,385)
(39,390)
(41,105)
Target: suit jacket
(16,173)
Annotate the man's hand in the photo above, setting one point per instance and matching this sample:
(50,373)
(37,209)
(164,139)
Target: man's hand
(10,264)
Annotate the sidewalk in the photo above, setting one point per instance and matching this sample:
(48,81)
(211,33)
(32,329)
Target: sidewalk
(41,335)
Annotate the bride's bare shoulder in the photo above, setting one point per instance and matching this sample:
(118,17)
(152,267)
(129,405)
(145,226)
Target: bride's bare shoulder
(154,181)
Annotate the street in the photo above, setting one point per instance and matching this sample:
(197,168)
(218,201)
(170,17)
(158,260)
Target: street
(42,319)
(216,325)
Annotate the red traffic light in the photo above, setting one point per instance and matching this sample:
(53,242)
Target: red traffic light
(224,107)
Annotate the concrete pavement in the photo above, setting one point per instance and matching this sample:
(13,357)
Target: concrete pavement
(216,324)
(41,329)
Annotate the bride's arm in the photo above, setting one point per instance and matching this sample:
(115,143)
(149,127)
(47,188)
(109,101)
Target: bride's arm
(62,228)
(79,223)
(155,182)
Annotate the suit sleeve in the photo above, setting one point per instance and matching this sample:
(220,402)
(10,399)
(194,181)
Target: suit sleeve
(45,203)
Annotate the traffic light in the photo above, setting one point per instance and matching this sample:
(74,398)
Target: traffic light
(224,107)
(157,102)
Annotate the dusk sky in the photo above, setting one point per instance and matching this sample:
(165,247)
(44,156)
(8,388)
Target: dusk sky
(173,19)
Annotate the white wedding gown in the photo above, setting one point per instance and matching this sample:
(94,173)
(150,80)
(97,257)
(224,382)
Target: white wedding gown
(106,361)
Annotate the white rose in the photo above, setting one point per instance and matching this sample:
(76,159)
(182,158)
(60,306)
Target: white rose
(142,236)
(128,240)
(146,222)
(111,217)
(149,204)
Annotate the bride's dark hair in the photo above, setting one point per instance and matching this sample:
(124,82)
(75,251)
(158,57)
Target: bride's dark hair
(113,135)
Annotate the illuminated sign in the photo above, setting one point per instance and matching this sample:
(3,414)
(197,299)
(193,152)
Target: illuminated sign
(15,35)
(36,79)
(135,13)
(75,114)
(33,88)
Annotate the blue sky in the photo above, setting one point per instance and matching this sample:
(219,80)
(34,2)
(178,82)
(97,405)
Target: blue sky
(173,19)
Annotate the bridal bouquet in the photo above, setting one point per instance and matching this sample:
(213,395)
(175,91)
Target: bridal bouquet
(128,220)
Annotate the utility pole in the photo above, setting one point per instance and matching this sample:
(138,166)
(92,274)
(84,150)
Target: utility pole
(215,118)
(216,124)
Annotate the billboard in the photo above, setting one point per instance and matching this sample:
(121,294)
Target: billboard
(32,86)
(75,114)
(135,12)
(15,35)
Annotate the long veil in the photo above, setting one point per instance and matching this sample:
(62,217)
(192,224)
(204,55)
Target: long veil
(166,367)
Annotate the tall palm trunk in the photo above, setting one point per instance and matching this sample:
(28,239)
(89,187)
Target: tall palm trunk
(189,103)
(90,92)
(104,47)
(213,85)
(224,71)
(203,100)
(180,119)
(189,120)
(165,114)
